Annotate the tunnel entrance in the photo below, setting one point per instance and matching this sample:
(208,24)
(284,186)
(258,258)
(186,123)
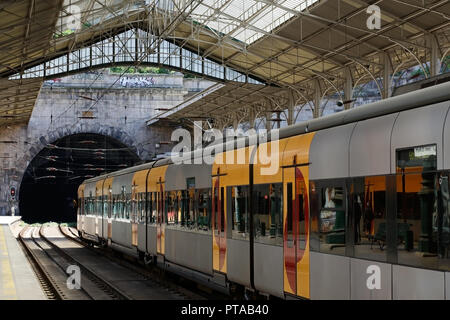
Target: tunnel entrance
(50,183)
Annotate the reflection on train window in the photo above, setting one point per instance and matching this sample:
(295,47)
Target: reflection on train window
(189,209)
(172,207)
(105,206)
(368,218)
(141,207)
(268,217)
(422,194)
(91,210)
(203,209)
(331,219)
(133,206)
(160,207)
(99,205)
(239,212)
(423,220)
(127,206)
(152,207)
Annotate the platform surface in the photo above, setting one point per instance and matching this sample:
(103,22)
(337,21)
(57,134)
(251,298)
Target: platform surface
(17,279)
(8,219)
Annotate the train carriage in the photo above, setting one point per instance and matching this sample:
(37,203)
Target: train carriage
(357,208)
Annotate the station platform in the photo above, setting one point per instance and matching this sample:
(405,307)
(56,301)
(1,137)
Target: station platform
(17,279)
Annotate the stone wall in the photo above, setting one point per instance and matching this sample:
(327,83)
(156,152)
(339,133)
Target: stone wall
(74,105)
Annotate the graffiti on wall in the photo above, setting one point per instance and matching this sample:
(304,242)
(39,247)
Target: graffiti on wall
(137,82)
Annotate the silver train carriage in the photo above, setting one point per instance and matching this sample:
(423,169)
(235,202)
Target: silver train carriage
(356,205)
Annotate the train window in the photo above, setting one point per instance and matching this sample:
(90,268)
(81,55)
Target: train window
(188,212)
(160,207)
(153,213)
(172,207)
(122,203)
(97,203)
(203,209)
(417,159)
(440,225)
(129,212)
(191,209)
(105,206)
(85,204)
(367,216)
(133,208)
(165,208)
(328,217)
(115,207)
(142,207)
(422,220)
(422,210)
(240,212)
(268,213)
(137,210)
(92,205)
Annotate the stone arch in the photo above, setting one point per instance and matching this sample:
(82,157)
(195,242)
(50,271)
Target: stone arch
(59,133)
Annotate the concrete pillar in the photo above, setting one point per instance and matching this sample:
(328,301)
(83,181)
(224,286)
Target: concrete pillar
(317,99)
(435,62)
(348,89)
(387,76)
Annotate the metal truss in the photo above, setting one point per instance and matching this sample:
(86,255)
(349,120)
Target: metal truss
(310,51)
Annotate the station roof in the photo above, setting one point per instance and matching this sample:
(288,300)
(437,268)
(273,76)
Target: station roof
(285,43)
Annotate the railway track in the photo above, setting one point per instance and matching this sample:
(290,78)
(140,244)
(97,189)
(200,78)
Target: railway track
(104,276)
(123,277)
(49,273)
(151,274)
(95,286)
(50,264)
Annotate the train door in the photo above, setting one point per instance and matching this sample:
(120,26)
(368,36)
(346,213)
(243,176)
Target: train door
(296,231)
(161,219)
(218,226)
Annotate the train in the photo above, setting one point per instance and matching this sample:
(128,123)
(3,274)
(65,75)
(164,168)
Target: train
(358,207)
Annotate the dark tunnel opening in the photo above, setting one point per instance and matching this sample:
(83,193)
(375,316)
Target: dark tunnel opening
(50,183)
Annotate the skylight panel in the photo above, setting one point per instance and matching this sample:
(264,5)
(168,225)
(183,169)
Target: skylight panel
(248,14)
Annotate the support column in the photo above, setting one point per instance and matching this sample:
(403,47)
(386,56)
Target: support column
(348,89)
(235,122)
(268,121)
(387,76)
(251,118)
(435,62)
(291,106)
(317,99)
